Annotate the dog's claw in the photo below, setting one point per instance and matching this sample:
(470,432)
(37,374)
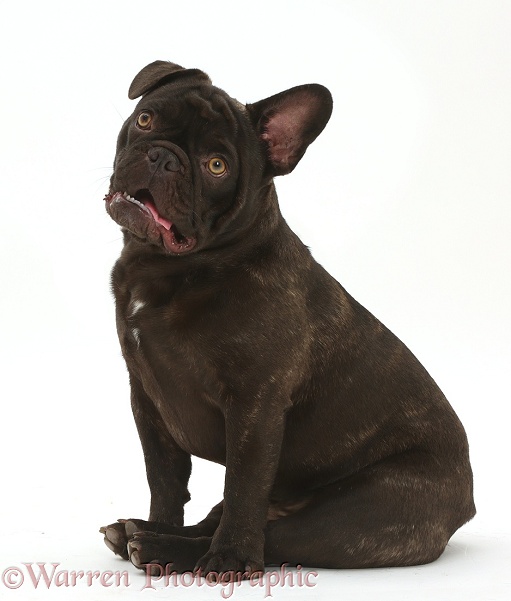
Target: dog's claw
(134,545)
(130,528)
(115,536)
(134,549)
(115,539)
(111,546)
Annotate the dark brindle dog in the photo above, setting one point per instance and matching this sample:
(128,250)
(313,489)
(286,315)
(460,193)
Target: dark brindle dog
(340,450)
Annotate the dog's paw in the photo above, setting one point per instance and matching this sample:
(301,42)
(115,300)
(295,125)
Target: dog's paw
(161,550)
(144,548)
(217,564)
(117,535)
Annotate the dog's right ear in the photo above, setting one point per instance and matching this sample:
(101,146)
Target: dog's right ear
(288,122)
(158,73)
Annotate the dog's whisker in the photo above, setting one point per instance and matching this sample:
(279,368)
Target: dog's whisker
(114,241)
(118,112)
(100,184)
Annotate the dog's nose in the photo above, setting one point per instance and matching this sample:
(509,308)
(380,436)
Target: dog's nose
(163,158)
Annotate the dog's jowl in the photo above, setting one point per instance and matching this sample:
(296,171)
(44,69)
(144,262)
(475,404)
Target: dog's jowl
(340,450)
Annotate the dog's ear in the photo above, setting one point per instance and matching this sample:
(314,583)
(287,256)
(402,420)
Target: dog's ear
(158,73)
(288,122)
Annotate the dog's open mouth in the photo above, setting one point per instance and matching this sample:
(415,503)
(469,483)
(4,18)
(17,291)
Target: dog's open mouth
(140,216)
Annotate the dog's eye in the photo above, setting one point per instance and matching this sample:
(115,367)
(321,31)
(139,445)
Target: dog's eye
(217,166)
(144,120)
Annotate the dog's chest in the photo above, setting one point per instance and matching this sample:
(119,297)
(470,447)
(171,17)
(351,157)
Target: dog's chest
(164,352)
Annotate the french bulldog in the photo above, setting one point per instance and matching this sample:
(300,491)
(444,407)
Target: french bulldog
(340,451)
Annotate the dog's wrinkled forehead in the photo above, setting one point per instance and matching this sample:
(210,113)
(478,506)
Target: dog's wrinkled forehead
(187,93)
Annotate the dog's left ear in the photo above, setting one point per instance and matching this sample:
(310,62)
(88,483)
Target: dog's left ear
(158,73)
(288,122)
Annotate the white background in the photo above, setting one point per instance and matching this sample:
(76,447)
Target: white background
(405,199)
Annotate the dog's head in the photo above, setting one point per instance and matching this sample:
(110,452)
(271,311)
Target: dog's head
(192,163)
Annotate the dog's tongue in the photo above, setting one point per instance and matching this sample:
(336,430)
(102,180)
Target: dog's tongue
(156,216)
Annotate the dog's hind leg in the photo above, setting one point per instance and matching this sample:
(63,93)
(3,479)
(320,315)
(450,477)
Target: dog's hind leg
(399,512)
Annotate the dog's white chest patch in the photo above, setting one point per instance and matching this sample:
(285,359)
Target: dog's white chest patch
(135,306)
(135,332)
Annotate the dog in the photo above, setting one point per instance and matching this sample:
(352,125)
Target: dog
(340,451)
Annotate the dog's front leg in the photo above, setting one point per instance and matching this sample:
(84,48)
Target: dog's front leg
(168,467)
(253,442)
